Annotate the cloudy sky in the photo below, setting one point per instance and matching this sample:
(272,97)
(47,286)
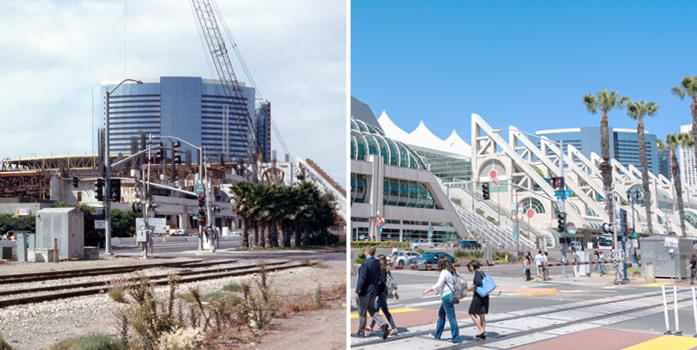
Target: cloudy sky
(55,53)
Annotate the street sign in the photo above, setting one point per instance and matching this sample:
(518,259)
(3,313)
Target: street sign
(199,189)
(99,224)
(672,242)
(571,228)
(22,212)
(492,175)
(516,233)
(530,213)
(562,194)
(158,225)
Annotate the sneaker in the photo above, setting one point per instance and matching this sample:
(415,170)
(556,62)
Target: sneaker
(457,340)
(394,331)
(433,335)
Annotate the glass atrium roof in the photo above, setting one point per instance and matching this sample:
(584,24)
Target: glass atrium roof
(368,140)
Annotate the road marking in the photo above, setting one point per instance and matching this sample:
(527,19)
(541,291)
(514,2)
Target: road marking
(666,342)
(399,310)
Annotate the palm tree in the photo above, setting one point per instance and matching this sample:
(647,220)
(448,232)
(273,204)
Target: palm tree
(688,87)
(674,140)
(637,110)
(242,205)
(604,101)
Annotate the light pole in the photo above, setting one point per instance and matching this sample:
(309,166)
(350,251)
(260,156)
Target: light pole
(107,171)
(201,176)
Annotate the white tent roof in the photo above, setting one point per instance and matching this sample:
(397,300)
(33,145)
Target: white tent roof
(423,137)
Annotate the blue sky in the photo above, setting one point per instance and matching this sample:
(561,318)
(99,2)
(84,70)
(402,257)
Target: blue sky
(523,63)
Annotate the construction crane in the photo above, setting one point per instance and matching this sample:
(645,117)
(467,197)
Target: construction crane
(205,14)
(243,64)
(248,74)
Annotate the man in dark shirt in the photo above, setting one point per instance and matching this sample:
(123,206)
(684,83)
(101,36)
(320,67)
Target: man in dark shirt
(367,292)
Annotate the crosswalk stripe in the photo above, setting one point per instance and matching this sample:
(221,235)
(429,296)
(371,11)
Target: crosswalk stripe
(665,342)
(398,310)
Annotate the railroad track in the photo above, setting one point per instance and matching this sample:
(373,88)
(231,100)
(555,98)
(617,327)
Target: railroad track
(98,287)
(98,271)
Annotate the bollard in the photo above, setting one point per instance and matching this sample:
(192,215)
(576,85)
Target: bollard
(665,310)
(694,309)
(675,303)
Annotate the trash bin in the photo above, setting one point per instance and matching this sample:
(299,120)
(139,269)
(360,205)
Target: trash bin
(649,272)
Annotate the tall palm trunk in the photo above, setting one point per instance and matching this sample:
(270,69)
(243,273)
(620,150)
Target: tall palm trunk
(298,236)
(256,234)
(245,233)
(693,109)
(274,233)
(675,168)
(606,169)
(644,175)
(286,235)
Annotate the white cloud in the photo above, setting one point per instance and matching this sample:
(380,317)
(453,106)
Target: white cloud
(55,52)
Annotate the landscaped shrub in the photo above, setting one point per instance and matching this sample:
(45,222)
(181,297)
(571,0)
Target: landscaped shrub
(380,244)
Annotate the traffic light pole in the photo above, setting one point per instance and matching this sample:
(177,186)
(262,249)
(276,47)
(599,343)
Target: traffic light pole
(562,204)
(107,171)
(107,183)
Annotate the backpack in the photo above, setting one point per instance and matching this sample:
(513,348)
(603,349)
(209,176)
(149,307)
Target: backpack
(488,285)
(391,286)
(459,289)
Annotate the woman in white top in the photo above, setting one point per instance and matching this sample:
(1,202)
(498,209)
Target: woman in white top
(445,287)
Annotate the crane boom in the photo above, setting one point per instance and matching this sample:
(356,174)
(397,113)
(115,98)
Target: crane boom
(205,15)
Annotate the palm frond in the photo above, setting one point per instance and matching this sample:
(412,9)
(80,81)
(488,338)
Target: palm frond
(678,91)
(652,108)
(591,103)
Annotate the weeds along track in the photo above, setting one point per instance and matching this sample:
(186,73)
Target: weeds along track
(186,275)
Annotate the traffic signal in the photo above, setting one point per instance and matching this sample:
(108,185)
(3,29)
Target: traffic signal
(115,190)
(561,222)
(485,191)
(176,152)
(99,190)
(137,207)
(76,181)
(558,182)
(160,154)
(623,222)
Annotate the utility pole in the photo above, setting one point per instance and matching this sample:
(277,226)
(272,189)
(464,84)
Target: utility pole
(107,171)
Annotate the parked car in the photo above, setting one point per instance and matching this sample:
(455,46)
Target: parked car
(177,232)
(420,243)
(469,244)
(433,257)
(401,258)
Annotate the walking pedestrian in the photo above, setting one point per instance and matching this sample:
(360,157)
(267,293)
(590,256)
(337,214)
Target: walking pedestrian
(693,268)
(367,292)
(528,265)
(445,287)
(539,260)
(383,286)
(575,262)
(545,266)
(601,262)
(479,306)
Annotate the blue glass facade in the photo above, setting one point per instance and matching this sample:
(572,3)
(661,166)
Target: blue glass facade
(191,108)
(623,144)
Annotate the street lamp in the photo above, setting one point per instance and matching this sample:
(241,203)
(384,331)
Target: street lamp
(201,170)
(107,171)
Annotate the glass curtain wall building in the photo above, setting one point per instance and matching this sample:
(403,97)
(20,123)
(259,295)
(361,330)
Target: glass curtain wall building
(191,108)
(624,144)
(390,183)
